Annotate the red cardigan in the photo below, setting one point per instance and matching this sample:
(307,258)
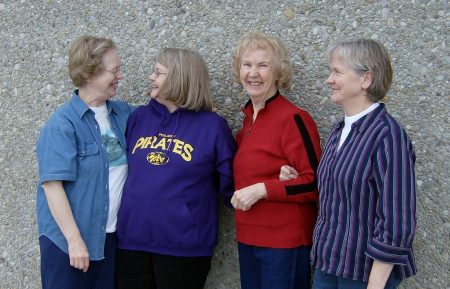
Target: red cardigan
(281,134)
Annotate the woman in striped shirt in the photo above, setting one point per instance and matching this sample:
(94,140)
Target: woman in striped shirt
(367,216)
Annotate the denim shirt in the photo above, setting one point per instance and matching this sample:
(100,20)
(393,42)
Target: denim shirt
(69,149)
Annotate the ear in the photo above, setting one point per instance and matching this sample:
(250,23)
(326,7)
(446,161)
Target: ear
(367,79)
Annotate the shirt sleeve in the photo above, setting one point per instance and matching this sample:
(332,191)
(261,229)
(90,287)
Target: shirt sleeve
(131,123)
(131,107)
(56,154)
(300,143)
(225,150)
(395,220)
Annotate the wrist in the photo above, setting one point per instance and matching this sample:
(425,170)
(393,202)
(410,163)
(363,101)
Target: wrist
(73,236)
(262,191)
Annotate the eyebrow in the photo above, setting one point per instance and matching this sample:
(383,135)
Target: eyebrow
(261,62)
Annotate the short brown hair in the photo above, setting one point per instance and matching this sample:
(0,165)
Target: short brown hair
(85,58)
(187,83)
(259,40)
(367,55)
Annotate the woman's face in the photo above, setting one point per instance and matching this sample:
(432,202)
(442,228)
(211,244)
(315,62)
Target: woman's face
(104,85)
(347,86)
(257,73)
(157,79)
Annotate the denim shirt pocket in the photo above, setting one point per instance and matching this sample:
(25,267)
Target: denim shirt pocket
(84,150)
(89,160)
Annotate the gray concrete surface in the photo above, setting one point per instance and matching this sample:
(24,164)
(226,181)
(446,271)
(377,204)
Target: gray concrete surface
(34,37)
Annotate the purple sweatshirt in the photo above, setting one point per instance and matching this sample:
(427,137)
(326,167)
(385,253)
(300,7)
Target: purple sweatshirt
(177,163)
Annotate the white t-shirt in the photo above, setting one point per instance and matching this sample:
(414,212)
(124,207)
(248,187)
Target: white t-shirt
(118,166)
(349,120)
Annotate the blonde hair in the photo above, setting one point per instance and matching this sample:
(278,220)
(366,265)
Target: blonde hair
(85,58)
(258,40)
(187,82)
(367,55)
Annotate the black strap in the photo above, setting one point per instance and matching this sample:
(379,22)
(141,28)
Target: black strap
(312,157)
(313,161)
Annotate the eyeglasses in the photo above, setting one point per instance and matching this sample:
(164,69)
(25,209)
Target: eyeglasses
(158,73)
(116,70)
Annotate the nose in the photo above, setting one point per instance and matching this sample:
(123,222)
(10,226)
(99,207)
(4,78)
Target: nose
(119,74)
(152,77)
(329,79)
(253,72)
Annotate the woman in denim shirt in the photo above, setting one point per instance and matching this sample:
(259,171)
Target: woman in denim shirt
(82,169)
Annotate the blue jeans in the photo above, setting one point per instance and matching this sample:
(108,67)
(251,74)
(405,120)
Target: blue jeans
(323,280)
(269,268)
(56,272)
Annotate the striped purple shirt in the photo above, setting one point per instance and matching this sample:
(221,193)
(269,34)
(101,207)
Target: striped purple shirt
(367,199)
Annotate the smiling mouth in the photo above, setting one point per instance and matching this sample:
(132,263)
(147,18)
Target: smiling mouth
(254,83)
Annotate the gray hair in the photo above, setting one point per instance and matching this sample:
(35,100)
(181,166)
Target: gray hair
(366,55)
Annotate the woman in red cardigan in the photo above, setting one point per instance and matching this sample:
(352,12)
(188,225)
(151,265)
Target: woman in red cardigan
(274,219)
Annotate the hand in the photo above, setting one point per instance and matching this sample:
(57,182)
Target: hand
(78,253)
(288,173)
(243,199)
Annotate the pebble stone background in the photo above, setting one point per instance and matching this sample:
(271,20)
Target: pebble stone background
(35,35)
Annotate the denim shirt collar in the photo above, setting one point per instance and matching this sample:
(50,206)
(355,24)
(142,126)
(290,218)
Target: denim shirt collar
(81,107)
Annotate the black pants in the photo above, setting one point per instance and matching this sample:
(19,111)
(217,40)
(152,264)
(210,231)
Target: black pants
(142,270)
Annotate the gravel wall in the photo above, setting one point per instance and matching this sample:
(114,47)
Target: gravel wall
(34,38)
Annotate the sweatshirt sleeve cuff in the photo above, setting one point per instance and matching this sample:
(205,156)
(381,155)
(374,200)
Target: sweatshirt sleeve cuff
(388,254)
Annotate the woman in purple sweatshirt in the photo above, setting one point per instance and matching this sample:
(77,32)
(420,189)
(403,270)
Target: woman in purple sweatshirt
(179,155)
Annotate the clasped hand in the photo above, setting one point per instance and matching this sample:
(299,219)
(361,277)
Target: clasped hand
(244,198)
(288,173)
